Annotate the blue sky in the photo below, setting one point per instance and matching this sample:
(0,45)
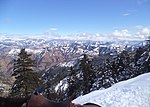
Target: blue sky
(72,16)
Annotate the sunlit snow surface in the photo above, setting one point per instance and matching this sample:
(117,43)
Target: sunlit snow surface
(131,93)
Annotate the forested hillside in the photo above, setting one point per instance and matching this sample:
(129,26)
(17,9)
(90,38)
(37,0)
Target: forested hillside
(102,71)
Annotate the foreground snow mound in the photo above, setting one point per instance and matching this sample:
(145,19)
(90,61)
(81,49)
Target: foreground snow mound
(131,93)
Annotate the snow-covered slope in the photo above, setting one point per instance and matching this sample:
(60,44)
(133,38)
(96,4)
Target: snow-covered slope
(131,93)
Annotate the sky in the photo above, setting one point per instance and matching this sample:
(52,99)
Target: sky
(74,16)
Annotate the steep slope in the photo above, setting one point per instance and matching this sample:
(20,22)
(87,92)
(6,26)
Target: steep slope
(131,93)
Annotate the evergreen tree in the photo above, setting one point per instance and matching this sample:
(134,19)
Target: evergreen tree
(138,60)
(144,60)
(26,79)
(73,83)
(137,55)
(124,60)
(108,73)
(116,69)
(147,61)
(88,74)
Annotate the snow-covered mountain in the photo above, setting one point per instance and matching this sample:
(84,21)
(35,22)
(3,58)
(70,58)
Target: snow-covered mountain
(51,50)
(131,93)
(56,56)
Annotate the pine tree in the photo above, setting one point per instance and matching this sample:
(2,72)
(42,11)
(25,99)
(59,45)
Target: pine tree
(73,83)
(88,74)
(26,79)
(144,60)
(120,66)
(147,59)
(108,73)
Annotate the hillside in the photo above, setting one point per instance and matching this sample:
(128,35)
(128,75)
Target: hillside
(131,93)
(109,62)
(48,52)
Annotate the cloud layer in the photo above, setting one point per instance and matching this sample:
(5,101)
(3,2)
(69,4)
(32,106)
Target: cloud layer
(140,33)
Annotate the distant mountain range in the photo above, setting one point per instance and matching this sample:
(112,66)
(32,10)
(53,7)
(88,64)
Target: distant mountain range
(52,50)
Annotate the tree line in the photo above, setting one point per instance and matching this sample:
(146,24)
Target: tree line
(82,78)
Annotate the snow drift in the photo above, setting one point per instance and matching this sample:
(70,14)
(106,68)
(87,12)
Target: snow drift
(131,93)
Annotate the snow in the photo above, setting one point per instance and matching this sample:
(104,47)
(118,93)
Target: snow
(16,51)
(35,51)
(131,93)
(61,86)
(68,64)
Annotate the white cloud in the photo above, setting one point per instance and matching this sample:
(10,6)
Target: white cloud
(138,32)
(116,33)
(53,29)
(139,26)
(121,33)
(146,31)
(126,14)
(129,12)
(143,31)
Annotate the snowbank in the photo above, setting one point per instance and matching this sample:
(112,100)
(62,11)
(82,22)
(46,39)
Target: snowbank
(131,93)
